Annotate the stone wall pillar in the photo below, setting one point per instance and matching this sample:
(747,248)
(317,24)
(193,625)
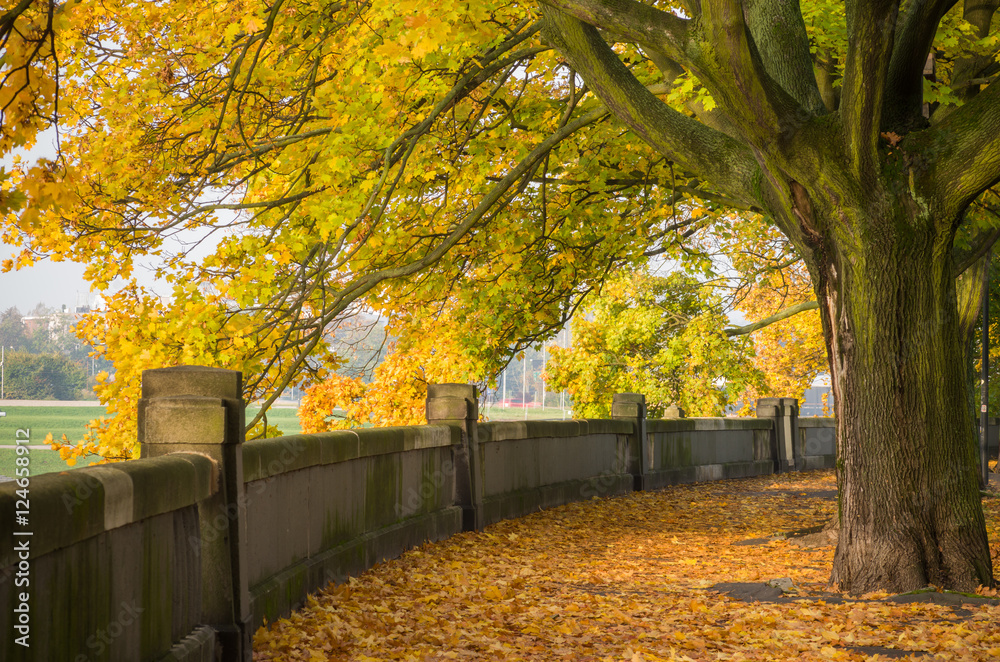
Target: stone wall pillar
(458,405)
(784,412)
(632,407)
(674,411)
(192,409)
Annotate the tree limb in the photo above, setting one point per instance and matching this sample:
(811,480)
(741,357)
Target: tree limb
(765,113)
(980,14)
(634,21)
(779,34)
(731,69)
(969,292)
(904,94)
(777,317)
(969,144)
(8,17)
(695,147)
(981,244)
(870,28)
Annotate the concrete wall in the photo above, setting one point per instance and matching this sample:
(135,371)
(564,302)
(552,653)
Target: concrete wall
(529,465)
(687,450)
(993,437)
(113,570)
(181,555)
(323,507)
(817,443)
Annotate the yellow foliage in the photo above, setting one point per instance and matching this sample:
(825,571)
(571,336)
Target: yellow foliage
(397,393)
(790,353)
(659,336)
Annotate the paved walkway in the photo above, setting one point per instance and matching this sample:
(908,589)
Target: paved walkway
(640,578)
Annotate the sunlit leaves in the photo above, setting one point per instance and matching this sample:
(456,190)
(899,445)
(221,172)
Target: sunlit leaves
(283,165)
(28,63)
(791,353)
(655,335)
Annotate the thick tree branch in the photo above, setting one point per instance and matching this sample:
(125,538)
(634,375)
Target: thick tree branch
(979,246)
(733,71)
(871,28)
(8,17)
(779,33)
(777,317)
(980,14)
(633,21)
(713,156)
(904,94)
(969,291)
(969,144)
(714,118)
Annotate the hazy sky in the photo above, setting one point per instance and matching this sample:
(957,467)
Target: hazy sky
(51,283)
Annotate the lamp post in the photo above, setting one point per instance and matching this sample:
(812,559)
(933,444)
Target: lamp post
(1,371)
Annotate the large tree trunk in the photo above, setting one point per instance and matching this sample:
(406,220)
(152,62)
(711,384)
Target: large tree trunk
(910,511)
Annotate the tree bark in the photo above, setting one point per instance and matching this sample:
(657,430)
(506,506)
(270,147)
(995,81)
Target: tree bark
(910,511)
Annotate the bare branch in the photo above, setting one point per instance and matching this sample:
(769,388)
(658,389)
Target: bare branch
(777,317)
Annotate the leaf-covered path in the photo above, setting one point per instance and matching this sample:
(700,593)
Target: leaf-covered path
(630,578)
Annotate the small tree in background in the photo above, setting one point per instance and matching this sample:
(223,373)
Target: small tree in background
(42,377)
(662,336)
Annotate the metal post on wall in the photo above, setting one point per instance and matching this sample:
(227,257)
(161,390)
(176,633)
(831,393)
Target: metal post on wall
(985,388)
(524,385)
(503,401)
(541,379)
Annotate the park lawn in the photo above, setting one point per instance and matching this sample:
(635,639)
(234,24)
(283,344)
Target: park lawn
(72,421)
(41,461)
(40,421)
(630,579)
(495,413)
(285,418)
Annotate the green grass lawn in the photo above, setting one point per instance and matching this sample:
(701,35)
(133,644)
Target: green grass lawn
(517,413)
(285,419)
(72,421)
(39,421)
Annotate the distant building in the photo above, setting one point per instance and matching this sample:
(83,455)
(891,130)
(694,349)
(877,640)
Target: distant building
(34,323)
